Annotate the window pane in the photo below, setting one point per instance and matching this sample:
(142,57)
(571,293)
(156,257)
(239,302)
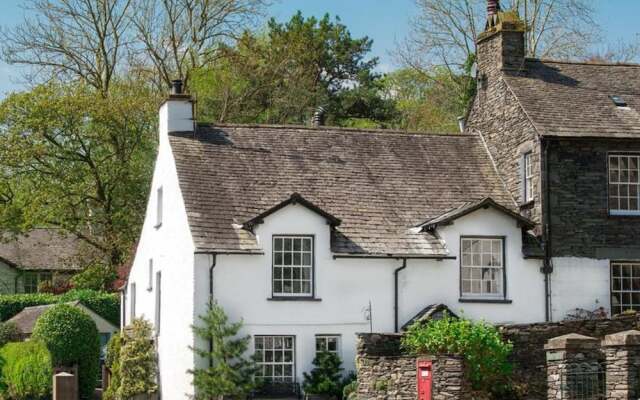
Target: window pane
(625,287)
(296,276)
(481,267)
(277,244)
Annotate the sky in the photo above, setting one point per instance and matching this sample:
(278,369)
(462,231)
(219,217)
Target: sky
(384,21)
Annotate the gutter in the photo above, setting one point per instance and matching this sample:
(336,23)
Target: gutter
(396,273)
(547,265)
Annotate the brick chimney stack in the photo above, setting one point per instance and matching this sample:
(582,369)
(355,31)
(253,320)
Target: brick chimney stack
(501,46)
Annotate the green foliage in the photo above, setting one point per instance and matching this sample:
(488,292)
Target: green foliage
(481,345)
(26,371)
(138,364)
(78,160)
(99,277)
(229,373)
(72,338)
(285,74)
(107,305)
(350,390)
(325,377)
(112,361)
(8,333)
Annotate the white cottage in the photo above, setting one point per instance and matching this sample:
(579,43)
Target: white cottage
(310,235)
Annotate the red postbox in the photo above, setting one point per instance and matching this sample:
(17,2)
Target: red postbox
(425,374)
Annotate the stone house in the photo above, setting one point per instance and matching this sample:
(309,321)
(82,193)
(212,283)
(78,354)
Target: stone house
(310,235)
(40,255)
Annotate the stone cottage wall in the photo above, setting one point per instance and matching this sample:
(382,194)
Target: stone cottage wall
(384,373)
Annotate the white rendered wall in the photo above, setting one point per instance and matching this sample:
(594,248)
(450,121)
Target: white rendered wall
(172,250)
(242,285)
(8,276)
(579,283)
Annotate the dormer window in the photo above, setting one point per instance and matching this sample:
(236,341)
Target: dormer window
(292,266)
(624,184)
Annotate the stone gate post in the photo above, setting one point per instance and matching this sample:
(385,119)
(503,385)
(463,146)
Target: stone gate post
(622,360)
(565,355)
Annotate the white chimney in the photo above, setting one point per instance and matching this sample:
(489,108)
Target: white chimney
(176,113)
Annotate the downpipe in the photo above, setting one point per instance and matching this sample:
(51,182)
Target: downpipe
(396,273)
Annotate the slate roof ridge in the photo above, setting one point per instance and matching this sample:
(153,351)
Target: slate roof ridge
(333,129)
(583,62)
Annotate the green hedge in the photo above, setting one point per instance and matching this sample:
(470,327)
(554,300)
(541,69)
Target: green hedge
(27,371)
(107,305)
(72,338)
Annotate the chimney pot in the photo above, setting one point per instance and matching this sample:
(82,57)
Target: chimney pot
(493,6)
(176,86)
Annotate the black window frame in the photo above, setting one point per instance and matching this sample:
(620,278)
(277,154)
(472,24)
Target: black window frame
(465,298)
(279,296)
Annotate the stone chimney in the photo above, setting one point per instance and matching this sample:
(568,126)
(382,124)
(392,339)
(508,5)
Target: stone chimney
(176,112)
(501,46)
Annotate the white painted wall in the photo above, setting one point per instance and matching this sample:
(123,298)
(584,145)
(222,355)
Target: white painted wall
(8,276)
(579,283)
(242,285)
(172,250)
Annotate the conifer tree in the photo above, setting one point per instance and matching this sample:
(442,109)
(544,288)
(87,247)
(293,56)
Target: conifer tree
(228,372)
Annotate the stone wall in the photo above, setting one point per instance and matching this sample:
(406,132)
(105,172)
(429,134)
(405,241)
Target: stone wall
(384,373)
(581,224)
(529,355)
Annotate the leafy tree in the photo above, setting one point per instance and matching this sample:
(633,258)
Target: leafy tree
(79,161)
(483,348)
(72,338)
(285,74)
(98,277)
(228,373)
(138,365)
(326,376)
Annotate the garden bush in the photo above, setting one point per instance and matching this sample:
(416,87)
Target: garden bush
(107,305)
(9,332)
(138,364)
(112,361)
(480,344)
(325,377)
(95,277)
(26,371)
(72,338)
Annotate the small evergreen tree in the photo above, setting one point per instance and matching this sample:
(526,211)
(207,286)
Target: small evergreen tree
(228,372)
(138,364)
(326,376)
(112,361)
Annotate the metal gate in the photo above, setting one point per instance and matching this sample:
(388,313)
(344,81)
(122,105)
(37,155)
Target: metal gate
(584,382)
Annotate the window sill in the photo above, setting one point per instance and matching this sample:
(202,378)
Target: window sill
(487,301)
(293,298)
(624,214)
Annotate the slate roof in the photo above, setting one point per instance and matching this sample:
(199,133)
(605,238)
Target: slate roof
(379,184)
(431,312)
(26,319)
(43,249)
(570,99)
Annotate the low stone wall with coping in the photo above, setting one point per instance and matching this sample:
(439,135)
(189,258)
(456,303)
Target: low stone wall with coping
(385,373)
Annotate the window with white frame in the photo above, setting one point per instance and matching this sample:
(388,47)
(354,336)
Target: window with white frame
(31,280)
(328,343)
(527,170)
(482,267)
(158,302)
(625,286)
(292,265)
(275,356)
(132,301)
(159,205)
(624,184)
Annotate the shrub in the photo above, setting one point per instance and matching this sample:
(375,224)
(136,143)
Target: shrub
(138,365)
(107,305)
(484,350)
(72,338)
(326,376)
(58,285)
(26,371)
(95,277)
(112,361)
(8,333)
(228,372)
(350,389)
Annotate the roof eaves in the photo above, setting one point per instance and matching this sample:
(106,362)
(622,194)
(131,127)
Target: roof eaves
(468,208)
(295,198)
